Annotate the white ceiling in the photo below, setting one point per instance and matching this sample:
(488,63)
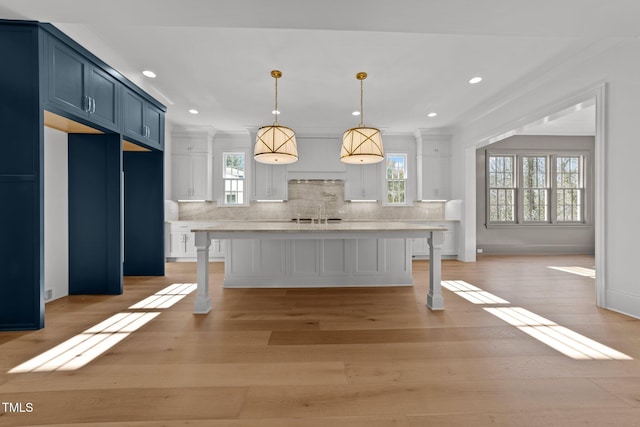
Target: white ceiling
(216,56)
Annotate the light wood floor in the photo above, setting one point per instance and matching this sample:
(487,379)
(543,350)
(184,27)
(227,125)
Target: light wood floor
(337,357)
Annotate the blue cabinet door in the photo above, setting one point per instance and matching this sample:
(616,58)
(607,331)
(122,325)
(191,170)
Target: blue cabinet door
(154,119)
(80,88)
(143,122)
(134,107)
(67,71)
(103,95)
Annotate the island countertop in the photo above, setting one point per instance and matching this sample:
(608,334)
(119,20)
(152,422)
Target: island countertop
(294,227)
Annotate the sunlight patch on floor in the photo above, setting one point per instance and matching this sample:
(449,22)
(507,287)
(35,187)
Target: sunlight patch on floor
(76,352)
(166,297)
(472,293)
(558,337)
(80,350)
(580,271)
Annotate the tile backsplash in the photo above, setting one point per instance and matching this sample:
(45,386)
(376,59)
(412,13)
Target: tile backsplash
(305,196)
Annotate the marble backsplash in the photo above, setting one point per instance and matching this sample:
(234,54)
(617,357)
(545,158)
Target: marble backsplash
(304,200)
(364,211)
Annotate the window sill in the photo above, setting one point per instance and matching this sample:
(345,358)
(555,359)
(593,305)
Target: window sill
(541,225)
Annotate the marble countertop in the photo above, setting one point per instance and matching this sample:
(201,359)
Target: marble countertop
(292,226)
(231,221)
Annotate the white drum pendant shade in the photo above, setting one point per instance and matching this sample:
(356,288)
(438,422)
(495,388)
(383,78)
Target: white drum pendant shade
(361,146)
(276,145)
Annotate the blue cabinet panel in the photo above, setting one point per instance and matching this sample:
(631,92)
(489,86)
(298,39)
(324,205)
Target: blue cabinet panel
(66,78)
(144,213)
(95,214)
(21,269)
(154,119)
(81,88)
(103,92)
(143,122)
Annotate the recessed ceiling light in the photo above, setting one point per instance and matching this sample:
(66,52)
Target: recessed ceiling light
(149,73)
(192,111)
(355,113)
(432,114)
(475,80)
(275,112)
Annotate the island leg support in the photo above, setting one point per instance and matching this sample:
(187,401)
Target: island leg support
(203,300)
(435,301)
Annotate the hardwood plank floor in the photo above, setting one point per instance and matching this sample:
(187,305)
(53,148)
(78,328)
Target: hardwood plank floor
(349,357)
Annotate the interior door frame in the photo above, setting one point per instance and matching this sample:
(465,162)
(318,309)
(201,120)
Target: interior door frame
(597,92)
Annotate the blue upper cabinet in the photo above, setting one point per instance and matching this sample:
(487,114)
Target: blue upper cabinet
(78,87)
(143,122)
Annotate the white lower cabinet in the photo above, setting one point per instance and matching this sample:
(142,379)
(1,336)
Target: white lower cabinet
(317,262)
(180,245)
(420,245)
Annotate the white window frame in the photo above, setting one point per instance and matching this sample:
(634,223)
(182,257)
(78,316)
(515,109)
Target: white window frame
(239,181)
(513,188)
(405,179)
(520,185)
(551,185)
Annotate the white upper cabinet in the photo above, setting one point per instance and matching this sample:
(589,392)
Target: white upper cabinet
(270,182)
(436,179)
(192,166)
(436,166)
(363,182)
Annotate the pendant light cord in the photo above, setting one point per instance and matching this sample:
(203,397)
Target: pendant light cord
(275,111)
(361,103)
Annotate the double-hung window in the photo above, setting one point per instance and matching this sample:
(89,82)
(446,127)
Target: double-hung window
(536,187)
(233,176)
(569,188)
(396,179)
(502,189)
(535,191)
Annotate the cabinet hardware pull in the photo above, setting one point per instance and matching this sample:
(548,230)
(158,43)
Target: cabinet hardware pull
(93,105)
(87,102)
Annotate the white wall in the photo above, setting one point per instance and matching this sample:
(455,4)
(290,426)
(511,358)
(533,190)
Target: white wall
(56,213)
(618,65)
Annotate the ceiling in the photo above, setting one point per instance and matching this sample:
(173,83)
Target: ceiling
(216,56)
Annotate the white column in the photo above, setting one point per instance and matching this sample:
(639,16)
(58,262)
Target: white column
(203,300)
(419,163)
(434,298)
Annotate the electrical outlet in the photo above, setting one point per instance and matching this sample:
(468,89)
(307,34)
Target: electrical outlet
(48,294)
(479,250)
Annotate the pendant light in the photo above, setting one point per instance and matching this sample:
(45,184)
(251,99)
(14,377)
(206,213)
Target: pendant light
(361,145)
(276,144)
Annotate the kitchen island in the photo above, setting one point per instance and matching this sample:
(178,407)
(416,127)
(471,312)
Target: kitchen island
(291,254)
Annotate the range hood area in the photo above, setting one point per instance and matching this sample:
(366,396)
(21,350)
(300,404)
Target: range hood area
(308,197)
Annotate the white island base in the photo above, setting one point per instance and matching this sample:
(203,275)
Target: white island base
(282,254)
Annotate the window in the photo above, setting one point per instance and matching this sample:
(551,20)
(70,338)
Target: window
(502,189)
(233,178)
(569,184)
(536,188)
(396,179)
